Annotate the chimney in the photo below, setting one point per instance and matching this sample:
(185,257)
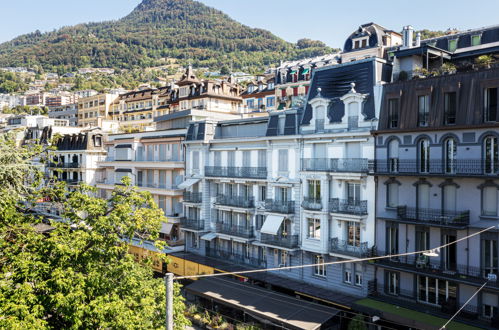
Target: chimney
(418,39)
(407,35)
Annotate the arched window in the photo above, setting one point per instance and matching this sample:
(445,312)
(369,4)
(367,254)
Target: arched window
(393,155)
(450,149)
(491,155)
(424,156)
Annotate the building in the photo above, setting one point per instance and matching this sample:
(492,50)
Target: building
(437,174)
(76,157)
(68,112)
(36,99)
(259,95)
(60,99)
(94,109)
(292,80)
(154,162)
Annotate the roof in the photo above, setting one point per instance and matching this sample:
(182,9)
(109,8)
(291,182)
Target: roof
(287,311)
(374,31)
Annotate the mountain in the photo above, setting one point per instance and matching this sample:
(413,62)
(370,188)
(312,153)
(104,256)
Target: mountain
(186,30)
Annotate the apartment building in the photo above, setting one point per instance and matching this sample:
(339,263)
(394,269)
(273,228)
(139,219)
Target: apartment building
(437,174)
(68,112)
(259,95)
(154,162)
(94,109)
(76,157)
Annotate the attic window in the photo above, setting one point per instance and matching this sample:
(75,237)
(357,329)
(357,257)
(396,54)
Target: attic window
(452,45)
(364,43)
(357,44)
(98,141)
(476,40)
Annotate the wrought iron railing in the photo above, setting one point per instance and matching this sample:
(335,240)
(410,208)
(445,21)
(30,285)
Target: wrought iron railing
(235,230)
(457,167)
(236,258)
(433,216)
(353,249)
(348,206)
(192,197)
(278,206)
(236,172)
(194,224)
(236,201)
(65,165)
(286,241)
(311,203)
(357,165)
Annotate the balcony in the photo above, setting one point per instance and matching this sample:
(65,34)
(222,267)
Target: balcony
(157,186)
(433,266)
(340,165)
(278,206)
(235,230)
(285,241)
(192,197)
(341,246)
(348,206)
(64,165)
(236,201)
(312,204)
(236,258)
(194,224)
(433,217)
(236,172)
(439,167)
(71,182)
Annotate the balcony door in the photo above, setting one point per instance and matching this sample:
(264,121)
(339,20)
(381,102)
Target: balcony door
(449,255)
(449,198)
(450,155)
(393,155)
(423,197)
(231,158)
(424,156)
(491,154)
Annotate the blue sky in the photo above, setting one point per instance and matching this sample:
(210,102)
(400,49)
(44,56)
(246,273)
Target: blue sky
(328,20)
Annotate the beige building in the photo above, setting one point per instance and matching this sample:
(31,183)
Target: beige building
(94,109)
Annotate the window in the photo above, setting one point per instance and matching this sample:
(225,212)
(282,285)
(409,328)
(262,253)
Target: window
(476,40)
(283,258)
(450,108)
(392,240)
(314,190)
(218,158)
(434,291)
(364,43)
(314,228)
(357,44)
(262,191)
(250,104)
(347,273)
(246,158)
(489,201)
(259,220)
(491,155)
(449,193)
(490,111)
(449,252)
(489,303)
(262,158)
(424,156)
(393,111)
(283,160)
(282,194)
(392,283)
(423,196)
(353,192)
(422,241)
(194,241)
(450,155)
(270,85)
(489,256)
(393,155)
(319,268)
(392,194)
(423,110)
(358,274)
(452,45)
(183,91)
(271,102)
(251,88)
(247,251)
(353,234)
(489,311)
(195,160)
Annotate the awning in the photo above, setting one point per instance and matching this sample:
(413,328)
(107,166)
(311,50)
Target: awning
(123,146)
(166,228)
(209,236)
(263,304)
(306,71)
(293,72)
(272,224)
(187,183)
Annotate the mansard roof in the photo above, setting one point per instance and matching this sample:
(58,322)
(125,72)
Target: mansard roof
(374,31)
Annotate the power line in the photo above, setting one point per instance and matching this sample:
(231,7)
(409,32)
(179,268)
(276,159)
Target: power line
(261,270)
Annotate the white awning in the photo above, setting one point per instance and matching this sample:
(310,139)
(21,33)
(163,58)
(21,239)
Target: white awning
(209,236)
(187,183)
(166,228)
(272,224)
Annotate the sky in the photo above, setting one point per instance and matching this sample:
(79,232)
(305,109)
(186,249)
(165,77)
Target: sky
(330,21)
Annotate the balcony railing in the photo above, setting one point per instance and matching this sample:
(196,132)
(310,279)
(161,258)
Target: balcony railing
(192,197)
(457,167)
(357,165)
(64,165)
(286,241)
(344,247)
(236,258)
(435,266)
(157,186)
(235,230)
(236,201)
(348,206)
(194,224)
(312,204)
(433,216)
(278,206)
(236,172)
(71,182)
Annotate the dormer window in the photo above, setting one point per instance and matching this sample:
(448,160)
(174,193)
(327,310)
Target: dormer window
(306,74)
(260,87)
(476,40)
(364,43)
(183,91)
(294,75)
(251,88)
(357,44)
(452,45)
(270,85)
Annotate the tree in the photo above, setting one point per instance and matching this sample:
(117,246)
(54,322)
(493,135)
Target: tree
(308,43)
(80,274)
(357,323)
(225,70)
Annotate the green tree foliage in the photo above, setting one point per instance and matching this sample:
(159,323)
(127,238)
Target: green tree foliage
(80,275)
(427,34)
(308,43)
(11,83)
(357,323)
(183,29)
